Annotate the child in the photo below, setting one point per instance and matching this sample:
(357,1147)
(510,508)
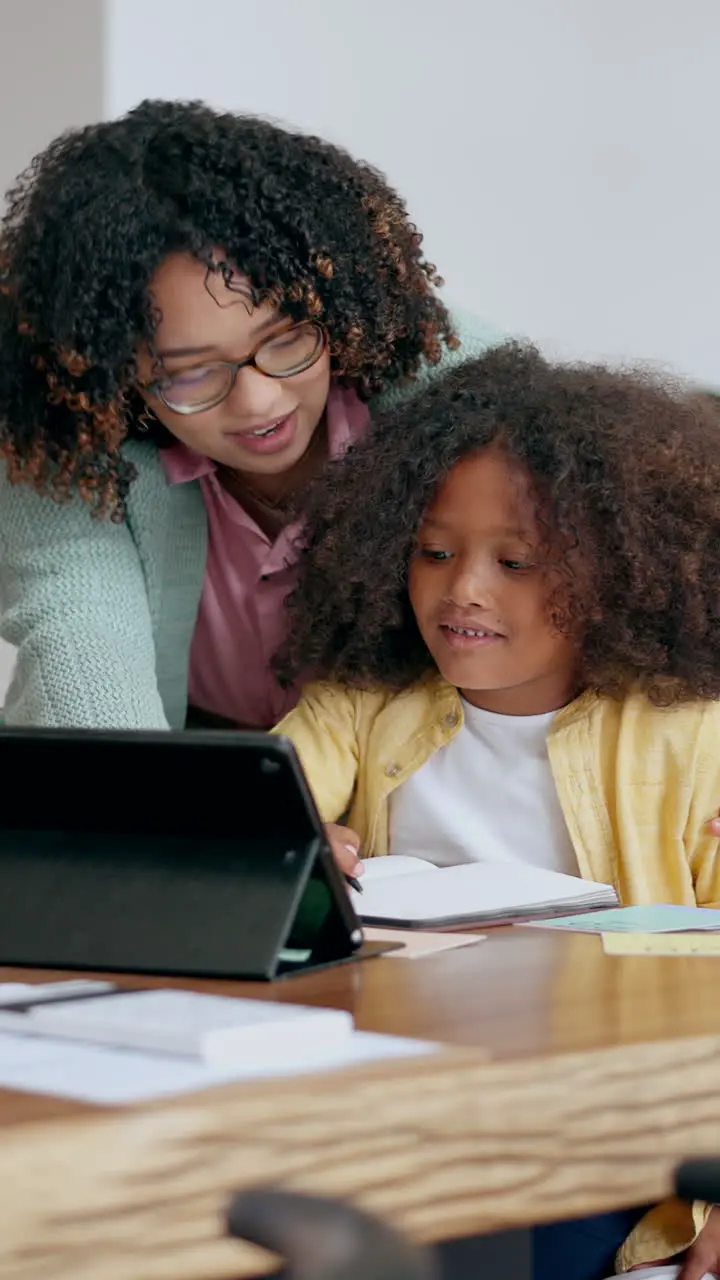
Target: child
(514,599)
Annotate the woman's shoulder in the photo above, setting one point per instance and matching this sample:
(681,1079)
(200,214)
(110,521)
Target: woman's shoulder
(474,335)
(144,459)
(23,508)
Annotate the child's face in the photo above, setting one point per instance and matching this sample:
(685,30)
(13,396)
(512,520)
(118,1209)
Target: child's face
(479,592)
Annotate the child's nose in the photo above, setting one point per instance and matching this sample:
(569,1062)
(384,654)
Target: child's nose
(473,585)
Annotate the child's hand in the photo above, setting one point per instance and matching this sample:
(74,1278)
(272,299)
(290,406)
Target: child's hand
(345,845)
(703,1257)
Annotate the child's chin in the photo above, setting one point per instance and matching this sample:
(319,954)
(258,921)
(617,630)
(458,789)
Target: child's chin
(464,671)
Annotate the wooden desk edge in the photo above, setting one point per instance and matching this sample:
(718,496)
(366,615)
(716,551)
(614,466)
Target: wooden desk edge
(494,1145)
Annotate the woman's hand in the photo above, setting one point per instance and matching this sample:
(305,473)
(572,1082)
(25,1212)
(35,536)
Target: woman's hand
(345,845)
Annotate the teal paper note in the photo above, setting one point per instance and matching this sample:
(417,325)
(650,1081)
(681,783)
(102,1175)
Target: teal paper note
(662,918)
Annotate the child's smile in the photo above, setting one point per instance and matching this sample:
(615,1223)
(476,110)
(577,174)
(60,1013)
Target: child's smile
(467,633)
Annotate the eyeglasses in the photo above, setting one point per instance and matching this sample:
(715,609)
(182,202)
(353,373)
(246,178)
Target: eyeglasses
(202,387)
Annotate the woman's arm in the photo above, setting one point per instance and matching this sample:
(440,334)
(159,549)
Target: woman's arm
(73,601)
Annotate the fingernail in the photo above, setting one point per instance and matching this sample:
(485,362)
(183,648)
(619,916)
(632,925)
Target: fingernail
(351,848)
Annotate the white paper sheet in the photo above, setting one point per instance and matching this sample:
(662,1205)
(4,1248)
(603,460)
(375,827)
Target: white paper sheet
(416,944)
(116,1076)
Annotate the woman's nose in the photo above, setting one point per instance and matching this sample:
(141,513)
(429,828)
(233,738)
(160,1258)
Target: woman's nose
(255,396)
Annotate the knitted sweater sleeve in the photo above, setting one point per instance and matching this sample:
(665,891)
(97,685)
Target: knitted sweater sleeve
(73,601)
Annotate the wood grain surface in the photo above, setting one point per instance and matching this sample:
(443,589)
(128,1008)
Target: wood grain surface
(576,1083)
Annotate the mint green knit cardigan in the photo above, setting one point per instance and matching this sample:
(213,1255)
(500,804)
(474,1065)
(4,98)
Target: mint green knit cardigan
(103,614)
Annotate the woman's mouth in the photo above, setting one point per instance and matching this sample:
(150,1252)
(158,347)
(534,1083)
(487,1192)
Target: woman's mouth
(270,437)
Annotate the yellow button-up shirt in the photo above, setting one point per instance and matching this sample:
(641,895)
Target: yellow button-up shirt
(637,785)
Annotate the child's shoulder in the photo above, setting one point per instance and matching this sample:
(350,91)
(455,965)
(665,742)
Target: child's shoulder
(686,726)
(376,698)
(366,703)
(693,711)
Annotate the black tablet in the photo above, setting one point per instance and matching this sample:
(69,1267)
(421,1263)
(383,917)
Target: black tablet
(193,853)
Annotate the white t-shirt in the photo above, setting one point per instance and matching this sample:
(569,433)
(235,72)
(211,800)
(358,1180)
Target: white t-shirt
(487,796)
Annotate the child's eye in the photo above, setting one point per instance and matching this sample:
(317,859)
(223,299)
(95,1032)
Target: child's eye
(516,566)
(433,553)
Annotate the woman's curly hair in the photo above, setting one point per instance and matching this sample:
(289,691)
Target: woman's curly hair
(97,212)
(626,475)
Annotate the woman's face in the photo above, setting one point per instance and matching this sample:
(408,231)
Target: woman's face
(264,425)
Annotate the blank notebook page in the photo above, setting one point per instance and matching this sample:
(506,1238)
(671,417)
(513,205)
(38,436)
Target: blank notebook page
(464,890)
(385,868)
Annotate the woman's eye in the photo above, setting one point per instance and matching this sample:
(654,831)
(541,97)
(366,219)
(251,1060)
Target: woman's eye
(293,338)
(280,344)
(190,378)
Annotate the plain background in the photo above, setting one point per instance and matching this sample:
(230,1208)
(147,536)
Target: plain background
(560,156)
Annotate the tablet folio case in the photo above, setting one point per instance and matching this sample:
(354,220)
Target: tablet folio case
(197,854)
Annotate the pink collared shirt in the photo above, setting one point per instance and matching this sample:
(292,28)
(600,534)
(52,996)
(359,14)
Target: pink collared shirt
(242,617)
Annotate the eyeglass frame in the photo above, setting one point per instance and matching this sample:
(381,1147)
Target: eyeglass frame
(154,388)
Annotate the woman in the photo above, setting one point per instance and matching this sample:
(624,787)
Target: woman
(197,311)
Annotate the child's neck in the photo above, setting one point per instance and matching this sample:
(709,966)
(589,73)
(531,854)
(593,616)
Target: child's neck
(536,698)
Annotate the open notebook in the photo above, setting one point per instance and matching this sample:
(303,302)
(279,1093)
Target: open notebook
(409,893)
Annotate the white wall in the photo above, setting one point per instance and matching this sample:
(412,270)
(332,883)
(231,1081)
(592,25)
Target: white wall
(51,75)
(560,155)
(51,79)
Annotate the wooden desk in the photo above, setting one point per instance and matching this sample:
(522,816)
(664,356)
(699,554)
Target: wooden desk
(572,1083)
